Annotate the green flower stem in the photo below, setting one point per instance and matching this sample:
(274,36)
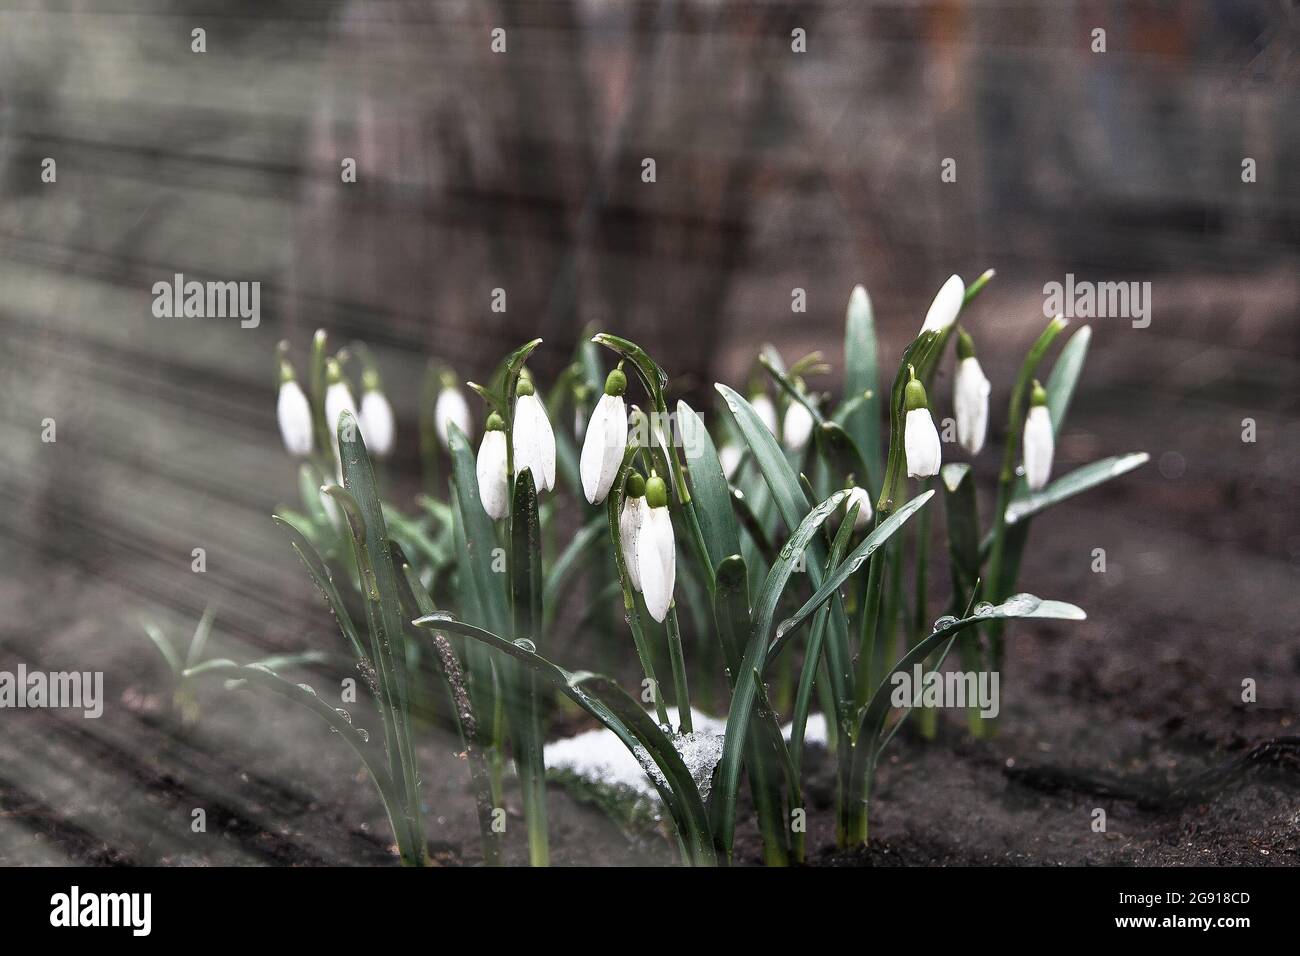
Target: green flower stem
(681,690)
(631,612)
(1007,477)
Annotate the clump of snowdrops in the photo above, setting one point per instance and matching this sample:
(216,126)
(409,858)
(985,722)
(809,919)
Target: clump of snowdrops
(796,533)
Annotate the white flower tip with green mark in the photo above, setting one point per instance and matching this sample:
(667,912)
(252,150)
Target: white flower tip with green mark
(603,447)
(293,412)
(947,303)
(534,441)
(451,407)
(338,399)
(970,402)
(377,423)
(797,427)
(491,471)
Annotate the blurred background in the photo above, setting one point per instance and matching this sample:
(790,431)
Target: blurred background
(521,170)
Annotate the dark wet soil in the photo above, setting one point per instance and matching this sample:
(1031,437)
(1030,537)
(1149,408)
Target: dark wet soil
(1115,713)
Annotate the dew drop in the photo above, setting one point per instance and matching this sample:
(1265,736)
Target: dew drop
(525,644)
(983,609)
(363,734)
(343,713)
(946,621)
(308,688)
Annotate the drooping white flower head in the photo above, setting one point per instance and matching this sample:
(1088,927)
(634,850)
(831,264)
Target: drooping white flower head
(656,551)
(947,303)
(859,496)
(606,440)
(493,490)
(920,439)
(1039,444)
(631,518)
(765,410)
(970,396)
(293,412)
(376,418)
(797,427)
(729,457)
(451,408)
(534,440)
(338,399)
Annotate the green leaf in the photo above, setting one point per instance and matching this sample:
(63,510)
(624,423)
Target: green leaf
(654,377)
(1018,606)
(1076,482)
(639,734)
(523,705)
(847,567)
(383,607)
(201,635)
(813,655)
(324,581)
(164,646)
(862,376)
(1065,376)
(711,493)
(557,580)
(742,699)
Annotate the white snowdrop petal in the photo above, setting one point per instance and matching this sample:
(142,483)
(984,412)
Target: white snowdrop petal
(921,444)
(797,427)
(630,519)
(293,412)
(532,433)
(602,450)
(657,558)
(946,305)
(377,425)
(451,408)
(970,401)
(491,471)
(765,411)
(338,399)
(729,457)
(1039,446)
(860,497)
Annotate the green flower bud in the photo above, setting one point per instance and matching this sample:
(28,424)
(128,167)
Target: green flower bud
(525,387)
(495,423)
(965,344)
(616,383)
(635,484)
(1038,396)
(914,394)
(656,492)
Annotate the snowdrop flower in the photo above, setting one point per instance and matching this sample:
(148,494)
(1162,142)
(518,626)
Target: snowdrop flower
(970,396)
(293,412)
(533,438)
(606,440)
(631,517)
(491,469)
(946,305)
(656,552)
(451,408)
(729,457)
(376,419)
(338,399)
(765,410)
(1039,444)
(920,440)
(797,427)
(859,496)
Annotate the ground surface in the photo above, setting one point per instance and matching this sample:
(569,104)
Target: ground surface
(1199,594)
